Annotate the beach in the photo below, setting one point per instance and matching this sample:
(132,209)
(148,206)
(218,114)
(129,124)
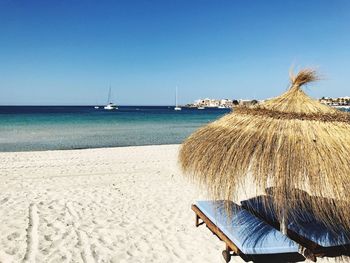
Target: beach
(99,205)
(174,131)
(126,204)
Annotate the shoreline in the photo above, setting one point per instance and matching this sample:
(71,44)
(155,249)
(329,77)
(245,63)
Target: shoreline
(93,148)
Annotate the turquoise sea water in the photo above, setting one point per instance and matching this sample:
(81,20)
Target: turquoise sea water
(27,128)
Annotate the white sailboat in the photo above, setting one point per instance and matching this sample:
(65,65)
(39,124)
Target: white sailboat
(176,106)
(110,105)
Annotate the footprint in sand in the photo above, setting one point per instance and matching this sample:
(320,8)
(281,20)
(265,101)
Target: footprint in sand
(13,236)
(48,237)
(4,200)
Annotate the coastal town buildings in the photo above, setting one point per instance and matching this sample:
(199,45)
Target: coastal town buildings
(341,102)
(219,103)
(336,102)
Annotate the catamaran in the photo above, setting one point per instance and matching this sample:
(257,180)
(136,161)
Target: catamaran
(110,105)
(176,106)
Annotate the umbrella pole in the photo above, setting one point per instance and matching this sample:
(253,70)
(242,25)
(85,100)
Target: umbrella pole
(283,224)
(284,221)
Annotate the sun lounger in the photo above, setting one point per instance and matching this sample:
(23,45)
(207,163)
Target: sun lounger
(244,234)
(318,239)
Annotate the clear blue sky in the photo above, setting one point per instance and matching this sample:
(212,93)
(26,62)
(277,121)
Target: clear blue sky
(68,52)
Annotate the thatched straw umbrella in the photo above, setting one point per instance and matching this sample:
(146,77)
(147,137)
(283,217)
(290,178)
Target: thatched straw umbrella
(288,142)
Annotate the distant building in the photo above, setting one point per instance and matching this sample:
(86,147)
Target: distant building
(334,102)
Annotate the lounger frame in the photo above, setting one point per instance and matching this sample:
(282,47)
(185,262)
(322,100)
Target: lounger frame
(230,246)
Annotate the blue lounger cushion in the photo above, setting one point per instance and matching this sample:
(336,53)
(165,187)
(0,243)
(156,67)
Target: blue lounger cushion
(320,234)
(305,224)
(250,234)
(258,204)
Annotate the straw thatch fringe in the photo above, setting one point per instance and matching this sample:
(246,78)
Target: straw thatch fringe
(258,111)
(287,153)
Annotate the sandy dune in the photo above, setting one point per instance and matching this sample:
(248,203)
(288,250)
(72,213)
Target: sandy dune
(100,205)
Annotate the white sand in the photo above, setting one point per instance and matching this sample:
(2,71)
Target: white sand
(100,205)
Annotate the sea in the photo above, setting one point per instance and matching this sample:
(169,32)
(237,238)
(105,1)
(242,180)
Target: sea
(39,128)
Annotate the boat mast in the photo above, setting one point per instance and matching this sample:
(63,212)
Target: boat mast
(109,95)
(176,97)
